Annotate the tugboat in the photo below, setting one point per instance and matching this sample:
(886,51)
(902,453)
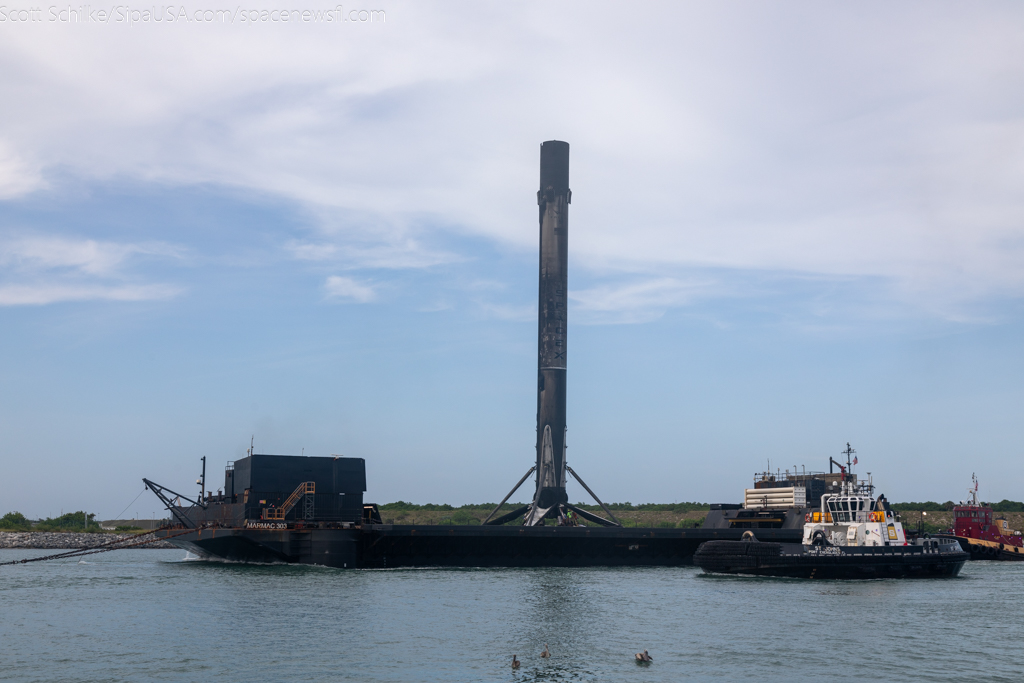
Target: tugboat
(852,536)
(982,536)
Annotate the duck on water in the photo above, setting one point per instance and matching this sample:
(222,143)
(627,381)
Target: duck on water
(853,536)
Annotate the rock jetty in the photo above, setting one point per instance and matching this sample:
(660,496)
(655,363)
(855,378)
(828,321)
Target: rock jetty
(53,540)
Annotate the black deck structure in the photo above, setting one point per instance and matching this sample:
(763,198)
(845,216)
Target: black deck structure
(278,508)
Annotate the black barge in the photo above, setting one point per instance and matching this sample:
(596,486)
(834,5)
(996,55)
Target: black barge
(387,546)
(310,510)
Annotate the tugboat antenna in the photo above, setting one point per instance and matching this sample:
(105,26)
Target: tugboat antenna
(848,452)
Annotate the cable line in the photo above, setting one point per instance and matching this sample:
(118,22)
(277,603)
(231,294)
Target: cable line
(117,544)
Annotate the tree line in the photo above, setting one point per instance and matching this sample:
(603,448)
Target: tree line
(79,521)
(931,506)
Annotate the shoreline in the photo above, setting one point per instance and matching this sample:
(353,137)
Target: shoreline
(66,540)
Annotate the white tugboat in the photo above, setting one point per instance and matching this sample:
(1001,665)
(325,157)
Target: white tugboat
(852,536)
(853,518)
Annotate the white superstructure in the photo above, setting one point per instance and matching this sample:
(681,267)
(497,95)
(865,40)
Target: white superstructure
(853,518)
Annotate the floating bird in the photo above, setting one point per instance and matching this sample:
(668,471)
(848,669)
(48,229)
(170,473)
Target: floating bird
(546,653)
(643,657)
(516,662)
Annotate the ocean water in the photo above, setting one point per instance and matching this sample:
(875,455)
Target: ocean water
(152,615)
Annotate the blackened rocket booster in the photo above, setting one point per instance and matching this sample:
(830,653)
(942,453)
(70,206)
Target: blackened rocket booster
(553,200)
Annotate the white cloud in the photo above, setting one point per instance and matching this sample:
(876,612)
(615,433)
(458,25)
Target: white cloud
(84,255)
(41,294)
(16,176)
(802,138)
(306,251)
(390,255)
(499,311)
(338,287)
(40,270)
(641,300)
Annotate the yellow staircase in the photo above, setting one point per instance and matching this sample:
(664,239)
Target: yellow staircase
(306,487)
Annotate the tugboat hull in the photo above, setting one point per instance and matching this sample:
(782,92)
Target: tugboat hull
(830,562)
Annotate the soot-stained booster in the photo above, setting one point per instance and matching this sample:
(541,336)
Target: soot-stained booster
(553,202)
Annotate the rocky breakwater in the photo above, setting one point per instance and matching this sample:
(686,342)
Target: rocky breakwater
(52,540)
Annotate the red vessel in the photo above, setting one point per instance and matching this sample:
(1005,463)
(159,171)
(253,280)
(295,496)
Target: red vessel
(982,536)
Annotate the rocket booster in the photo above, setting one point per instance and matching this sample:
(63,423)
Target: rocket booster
(553,201)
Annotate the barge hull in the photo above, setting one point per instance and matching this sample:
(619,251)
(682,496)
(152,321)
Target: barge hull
(385,546)
(328,547)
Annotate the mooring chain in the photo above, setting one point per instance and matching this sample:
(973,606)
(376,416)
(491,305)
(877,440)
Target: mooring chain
(117,544)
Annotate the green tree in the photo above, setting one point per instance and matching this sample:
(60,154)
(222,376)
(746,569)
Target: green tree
(71,521)
(15,521)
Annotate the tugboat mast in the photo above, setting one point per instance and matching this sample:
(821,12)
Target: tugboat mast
(848,452)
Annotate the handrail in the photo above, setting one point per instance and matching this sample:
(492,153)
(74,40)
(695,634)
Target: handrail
(306,487)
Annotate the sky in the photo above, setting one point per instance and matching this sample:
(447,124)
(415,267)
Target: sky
(794,225)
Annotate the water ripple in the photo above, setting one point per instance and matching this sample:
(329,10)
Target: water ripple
(150,615)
